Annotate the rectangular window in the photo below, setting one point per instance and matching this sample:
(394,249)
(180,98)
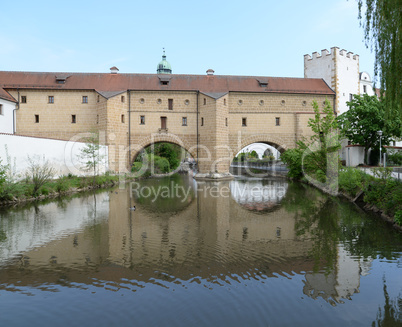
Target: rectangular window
(365,88)
(205,101)
(73,119)
(277,121)
(244,121)
(84,99)
(1,109)
(163,123)
(142,120)
(36,119)
(350,96)
(184,121)
(122,119)
(98,98)
(23,99)
(202,121)
(122,98)
(97,119)
(170,103)
(226,121)
(51,99)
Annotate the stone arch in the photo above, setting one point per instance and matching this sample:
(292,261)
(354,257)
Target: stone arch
(162,137)
(274,141)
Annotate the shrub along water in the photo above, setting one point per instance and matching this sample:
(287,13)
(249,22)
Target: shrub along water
(25,189)
(380,190)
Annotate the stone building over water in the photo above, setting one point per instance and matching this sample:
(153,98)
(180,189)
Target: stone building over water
(211,116)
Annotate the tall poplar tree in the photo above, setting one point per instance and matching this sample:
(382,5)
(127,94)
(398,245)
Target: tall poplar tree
(382,22)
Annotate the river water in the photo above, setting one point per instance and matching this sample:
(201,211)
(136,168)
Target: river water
(248,252)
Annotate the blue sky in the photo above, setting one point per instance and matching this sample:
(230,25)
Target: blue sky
(256,37)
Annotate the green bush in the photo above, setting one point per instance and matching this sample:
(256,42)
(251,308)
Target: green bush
(62,185)
(351,180)
(44,190)
(398,217)
(395,158)
(293,160)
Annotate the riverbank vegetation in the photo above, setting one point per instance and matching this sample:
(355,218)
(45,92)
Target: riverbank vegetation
(27,189)
(379,190)
(316,161)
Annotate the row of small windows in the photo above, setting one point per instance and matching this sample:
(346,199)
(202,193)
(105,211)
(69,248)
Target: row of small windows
(184,121)
(159,101)
(51,99)
(74,118)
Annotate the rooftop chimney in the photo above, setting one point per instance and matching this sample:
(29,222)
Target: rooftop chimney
(210,72)
(114,70)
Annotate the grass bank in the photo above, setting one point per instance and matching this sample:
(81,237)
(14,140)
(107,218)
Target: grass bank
(380,192)
(23,190)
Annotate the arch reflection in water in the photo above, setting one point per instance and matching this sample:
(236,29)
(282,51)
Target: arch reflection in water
(258,194)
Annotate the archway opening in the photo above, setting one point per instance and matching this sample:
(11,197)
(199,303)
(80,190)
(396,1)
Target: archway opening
(162,158)
(258,159)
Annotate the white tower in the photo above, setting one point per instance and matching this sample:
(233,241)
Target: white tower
(339,69)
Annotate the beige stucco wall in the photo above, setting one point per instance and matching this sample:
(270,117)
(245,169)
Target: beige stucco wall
(221,135)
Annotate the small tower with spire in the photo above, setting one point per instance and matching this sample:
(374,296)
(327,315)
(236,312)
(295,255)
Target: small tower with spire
(164,66)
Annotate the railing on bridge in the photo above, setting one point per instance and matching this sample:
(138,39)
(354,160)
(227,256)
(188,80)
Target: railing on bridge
(274,165)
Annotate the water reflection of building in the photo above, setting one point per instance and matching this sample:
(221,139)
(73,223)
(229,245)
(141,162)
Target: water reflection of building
(258,194)
(213,238)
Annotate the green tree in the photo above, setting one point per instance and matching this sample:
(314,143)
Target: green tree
(90,155)
(39,173)
(382,24)
(365,117)
(316,158)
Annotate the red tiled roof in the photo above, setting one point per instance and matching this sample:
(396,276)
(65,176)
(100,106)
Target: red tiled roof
(6,96)
(116,82)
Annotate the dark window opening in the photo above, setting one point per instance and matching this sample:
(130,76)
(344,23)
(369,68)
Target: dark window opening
(73,119)
(226,121)
(170,104)
(97,119)
(205,101)
(277,121)
(202,121)
(23,99)
(123,98)
(244,121)
(51,99)
(36,118)
(84,99)
(122,119)
(184,121)
(142,120)
(1,109)
(163,122)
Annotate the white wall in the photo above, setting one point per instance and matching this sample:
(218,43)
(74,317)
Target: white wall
(6,118)
(62,155)
(339,69)
(348,78)
(365,80)
(353,155)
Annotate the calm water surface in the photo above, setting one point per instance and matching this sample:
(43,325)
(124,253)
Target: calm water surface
(248,252)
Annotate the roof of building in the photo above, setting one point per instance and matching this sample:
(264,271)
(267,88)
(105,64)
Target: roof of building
(107,82)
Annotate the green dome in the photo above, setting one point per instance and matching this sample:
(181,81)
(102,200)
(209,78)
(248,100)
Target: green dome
(164,66)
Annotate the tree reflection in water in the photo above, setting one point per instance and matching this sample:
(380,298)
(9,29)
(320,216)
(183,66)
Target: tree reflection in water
(391,314)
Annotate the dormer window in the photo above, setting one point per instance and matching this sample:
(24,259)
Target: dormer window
(61,79)
(164,79)
(263,82)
